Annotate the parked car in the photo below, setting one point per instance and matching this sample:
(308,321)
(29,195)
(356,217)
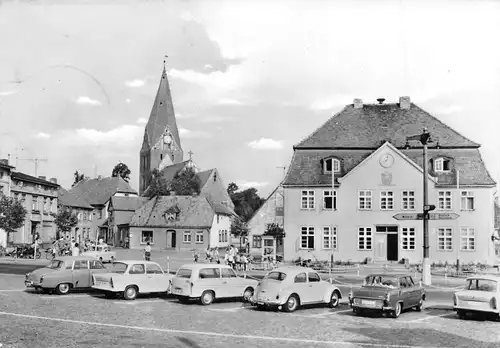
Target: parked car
(387,293)
(102,253)
(289,287)
(480,295)
(65,273)
(207,282)
(131,278)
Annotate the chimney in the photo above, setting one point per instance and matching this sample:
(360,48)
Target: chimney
(358,103)
(41,177)
(53,180)
(4,161)
(381,100)
(172,193)
(404,103)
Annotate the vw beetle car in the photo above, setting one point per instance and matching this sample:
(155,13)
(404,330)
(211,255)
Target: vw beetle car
(102,253)
(289,287)
(387,293)
(65,273)
(479,296)
(131,277)
(207,282)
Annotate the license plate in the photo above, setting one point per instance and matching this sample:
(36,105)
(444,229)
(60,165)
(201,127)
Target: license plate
(100,283)
(369,303)
(177,291)
(474,303)
(28,283)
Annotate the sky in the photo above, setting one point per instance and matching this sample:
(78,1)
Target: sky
(249,78)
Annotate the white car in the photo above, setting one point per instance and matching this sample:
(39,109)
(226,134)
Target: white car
(481,295)
(102,253)
(289,287)
(131,278)
(207,282)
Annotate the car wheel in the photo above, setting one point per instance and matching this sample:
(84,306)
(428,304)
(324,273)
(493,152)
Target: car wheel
(112,260)
(130,293)
(461,314)
(100,259)
(419,306)
(63,289)
(291,304)
(247,294)
(334,300)
(397,311)
(207,298)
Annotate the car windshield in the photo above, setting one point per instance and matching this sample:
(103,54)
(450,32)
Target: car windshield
(381,281)
(184,273)
(55,264)
(118,267)
(481,285)
(279,276)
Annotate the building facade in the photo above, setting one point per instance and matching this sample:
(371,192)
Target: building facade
(120,212)
(5,182)
(84,212)
(348,179)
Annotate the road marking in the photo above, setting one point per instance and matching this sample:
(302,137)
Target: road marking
(427,317)
(14,290)
(204,333)
(234,309)
(47,297)
(140,301)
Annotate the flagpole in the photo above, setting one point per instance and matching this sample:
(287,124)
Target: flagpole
(458,225)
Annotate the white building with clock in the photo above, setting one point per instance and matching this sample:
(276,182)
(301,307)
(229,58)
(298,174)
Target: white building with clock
(377,174)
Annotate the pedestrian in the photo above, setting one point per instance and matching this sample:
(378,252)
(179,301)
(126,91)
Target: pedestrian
(196,256)
(75,250)
(207,254)
(216,255)
(244,262)
(147,252)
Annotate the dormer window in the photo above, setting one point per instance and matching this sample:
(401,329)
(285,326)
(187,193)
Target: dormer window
(331,164)
(442,165)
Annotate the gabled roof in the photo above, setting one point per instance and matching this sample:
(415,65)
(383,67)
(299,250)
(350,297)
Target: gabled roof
(204,176)
(223,209)
(127,203)
(264,204)
(366,127)
(98,191)
(72,200)
(32,179)
(194,212)
(122,217)
(169,172)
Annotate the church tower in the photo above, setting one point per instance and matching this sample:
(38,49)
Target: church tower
(161,145)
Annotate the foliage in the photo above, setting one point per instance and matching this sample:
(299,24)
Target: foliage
(239,228)
(65,219)
(246,202)
(275,230)
(158,185)
(121,169)
(12,214)
(185,183)
(78,177)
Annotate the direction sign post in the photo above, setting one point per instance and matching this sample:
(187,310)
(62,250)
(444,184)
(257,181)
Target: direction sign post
(443,216)
(409,216)
(431,216)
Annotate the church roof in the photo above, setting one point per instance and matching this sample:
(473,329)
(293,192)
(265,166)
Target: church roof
(162,115)
(368,126)
(99,190)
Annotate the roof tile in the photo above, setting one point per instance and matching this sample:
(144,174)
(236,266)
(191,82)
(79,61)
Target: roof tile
(99,191)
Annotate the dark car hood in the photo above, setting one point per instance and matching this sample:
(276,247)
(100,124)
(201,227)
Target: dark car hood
(371,292)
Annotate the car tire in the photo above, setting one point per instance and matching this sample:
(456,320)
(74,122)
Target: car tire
(461,314)
(247,294)
(63,288)
(291,304)
(112,259)
(397,311)
(100,259)
(207,297)
(130,293)
(334,299)
(420,305)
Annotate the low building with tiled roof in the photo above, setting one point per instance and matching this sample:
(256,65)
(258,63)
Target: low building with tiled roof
(180,223)
(377,173)
(120,212)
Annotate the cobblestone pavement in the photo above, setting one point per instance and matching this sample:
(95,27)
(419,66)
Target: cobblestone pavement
(31,319)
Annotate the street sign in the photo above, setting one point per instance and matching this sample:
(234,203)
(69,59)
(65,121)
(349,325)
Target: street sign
(409,216)
(429,207)
(443,216)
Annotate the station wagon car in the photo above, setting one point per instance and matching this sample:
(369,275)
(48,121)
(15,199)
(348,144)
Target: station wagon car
(479,296)
(65,273)
(207,282)
(102,253)
(131,277)
(289,287)
(387,293)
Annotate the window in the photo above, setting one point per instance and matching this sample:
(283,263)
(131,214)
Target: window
(444,200)
(404,283)
(330,163)
(69,265)
(307,200)
(96,264)
(386,200)
(467,238)
(300,278)
(330,237)
(136,269)
(186,238)
(408,200)
(118,267)
(147,236)
(81,264)
(441,165)
(257,242)
(313,277)
(279,276)
(84,216)
(199,237)
(329,200)
(225,235)
(228,273)
(365,238)
(184,273)
(151,268)
(307,237)
(365,200)
(467,200)
(79,216)
(408,238)
(34,203)
(445,238)
(208,273)
(482,285)
(90,216)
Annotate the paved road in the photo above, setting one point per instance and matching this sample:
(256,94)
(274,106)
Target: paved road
(86,320)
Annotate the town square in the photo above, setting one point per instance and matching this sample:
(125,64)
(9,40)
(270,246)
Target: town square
(282,174)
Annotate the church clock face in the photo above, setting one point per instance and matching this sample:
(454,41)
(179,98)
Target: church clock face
(386,160)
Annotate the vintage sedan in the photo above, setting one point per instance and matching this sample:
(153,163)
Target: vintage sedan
(289,287)
(102,253)
(480,296)
(131,278)
(65,273)
(207,282)
(387,293)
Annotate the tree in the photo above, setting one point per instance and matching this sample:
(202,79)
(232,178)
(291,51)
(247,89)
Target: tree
(121,169)
(12,215)
(78,177)
(158,186)
(246,202)
(185,183)
(232,188)
(239,228)
(65,220)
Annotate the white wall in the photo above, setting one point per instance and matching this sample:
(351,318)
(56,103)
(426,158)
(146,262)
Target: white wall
(220,223)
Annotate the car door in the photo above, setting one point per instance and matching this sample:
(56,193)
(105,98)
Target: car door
(209,279)
(96,267)
(231,286)
(156,278)
(81,274)
(301,287)
(316,287)
(415,290)
(406,293)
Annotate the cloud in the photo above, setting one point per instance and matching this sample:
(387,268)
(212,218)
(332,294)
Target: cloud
(229,101)
(135,83)
(42,135)
(6,93)
(127,101)
(248,184)
(327,103)
(450,109)
(87,101)
(142,120)
(266,144)
(114,136)
(188,17)
(189,134)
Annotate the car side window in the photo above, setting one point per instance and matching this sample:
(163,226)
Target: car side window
(209,273)
(69,265)
(300,278)
(153,269)
(81,264)
(136,269)
(410,282)
(403,283)
(314,277)
(96,264)
(228,273)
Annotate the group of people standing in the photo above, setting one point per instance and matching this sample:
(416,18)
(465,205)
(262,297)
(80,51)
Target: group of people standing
(232,257)
(62,247)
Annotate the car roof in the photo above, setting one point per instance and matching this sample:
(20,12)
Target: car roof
(129,262)
(72,258)
(485,277)
(198,266)
(393,275)
(293,269)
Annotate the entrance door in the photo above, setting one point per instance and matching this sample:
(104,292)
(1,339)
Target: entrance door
(171,239)
(380,247)
(392,247)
